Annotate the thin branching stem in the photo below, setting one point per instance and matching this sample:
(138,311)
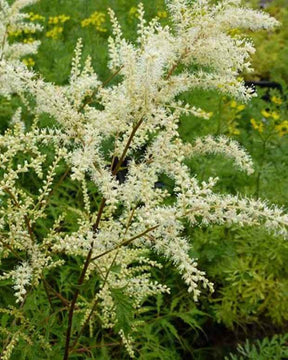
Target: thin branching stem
(95,229)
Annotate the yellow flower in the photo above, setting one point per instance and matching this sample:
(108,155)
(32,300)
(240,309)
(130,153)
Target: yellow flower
(162,14)
(265,113)
(85,22)
(15,33)
(257,125)
(29,31)
(254,123)
(96,19)
(233,130)
(53,20)
(275,115)
(241,107)
(233,104)
(35,17)
(276,100)
(55,32)
(28,62)
(133,12)
(63,18)
(282,129)
(28,40)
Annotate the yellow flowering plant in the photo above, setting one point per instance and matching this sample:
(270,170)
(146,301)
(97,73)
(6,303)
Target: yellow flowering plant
(97,20)
(57,22)
(29,62)
(55,32)
(133,13)
(282,128)
(268,125)
(230,112)
(271,119)
(59,19)
(36,17)
(265,117)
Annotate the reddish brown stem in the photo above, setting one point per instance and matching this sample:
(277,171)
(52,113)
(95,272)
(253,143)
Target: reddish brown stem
(89,256)
(106,82)
(122,158)
(64,301)
(80,282)
(174,67)
(126,242)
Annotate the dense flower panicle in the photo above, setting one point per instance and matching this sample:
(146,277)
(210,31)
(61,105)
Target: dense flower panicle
(22,276)
(122,138)
(13,73)
(225,146)
(13,20)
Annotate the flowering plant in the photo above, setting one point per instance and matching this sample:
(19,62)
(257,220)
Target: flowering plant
(118,140)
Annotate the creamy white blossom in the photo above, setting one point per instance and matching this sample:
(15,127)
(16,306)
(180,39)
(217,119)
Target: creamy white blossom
(225,146)
(22,277)
(13,73)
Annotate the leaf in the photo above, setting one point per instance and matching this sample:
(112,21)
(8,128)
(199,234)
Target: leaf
(170,329)
(4,320)
(123,309)
(190,320)
(174,303)
(159,303)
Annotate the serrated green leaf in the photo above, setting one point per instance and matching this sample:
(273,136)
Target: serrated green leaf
(124,310)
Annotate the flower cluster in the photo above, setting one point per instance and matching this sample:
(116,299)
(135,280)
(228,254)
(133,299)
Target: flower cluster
(225,146)
(97,19)
(235,114)
(57,21)
(60,19)
(36,17)
(138,117)
(13,22)
(29,62)
(270,120)
(55,32)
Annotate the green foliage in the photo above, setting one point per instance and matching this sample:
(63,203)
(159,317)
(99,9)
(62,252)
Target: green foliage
(267,349)
(271,59)
(57,68)
(169,324)
(124,310)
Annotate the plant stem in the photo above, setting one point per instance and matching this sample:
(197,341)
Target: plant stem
(125,242)
(89,255)
(174,67)
(106,82)
(80,282)
(27,221)
(47,293)
(104,282)
(64,301)
(122,158)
